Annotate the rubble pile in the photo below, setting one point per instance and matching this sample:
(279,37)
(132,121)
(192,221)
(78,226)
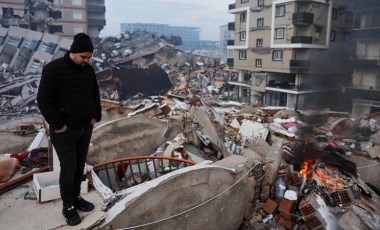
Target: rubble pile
(316,162)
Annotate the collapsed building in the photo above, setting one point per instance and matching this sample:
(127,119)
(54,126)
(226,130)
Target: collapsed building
(172,148)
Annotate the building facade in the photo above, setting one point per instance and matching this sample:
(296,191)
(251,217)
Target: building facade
(26,51)
(290,53)
(60,17)
(365,86)
(225,35)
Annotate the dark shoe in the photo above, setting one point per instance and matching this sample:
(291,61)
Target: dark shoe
(71,215)
(83,205)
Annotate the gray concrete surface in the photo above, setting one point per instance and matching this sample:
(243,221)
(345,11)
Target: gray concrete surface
(196,197)
(17,213)
(137,136)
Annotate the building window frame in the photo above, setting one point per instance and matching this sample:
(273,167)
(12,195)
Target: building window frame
(259,42)
(77,15)
(260,3)
(243,16)
(259,62)
(280,11)
(77,2)
(260,22)
(334,13)
(244,1)
(242,55)
(243,36)
(278,55)
(78,29)
(332,35)
(279,33)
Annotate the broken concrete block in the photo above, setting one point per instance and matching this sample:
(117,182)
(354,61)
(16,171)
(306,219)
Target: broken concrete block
(374,152)
(287,208)
(288,224)
(270,206)
(350,221)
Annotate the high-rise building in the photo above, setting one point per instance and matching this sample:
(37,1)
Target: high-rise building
(225,35)
(290,53)
(60,17)
(190,35)
(365,86)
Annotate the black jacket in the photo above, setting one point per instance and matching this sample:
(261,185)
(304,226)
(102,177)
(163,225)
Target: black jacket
(68,94)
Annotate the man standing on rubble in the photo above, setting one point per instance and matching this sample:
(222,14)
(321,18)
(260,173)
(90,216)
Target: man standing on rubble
(69,100)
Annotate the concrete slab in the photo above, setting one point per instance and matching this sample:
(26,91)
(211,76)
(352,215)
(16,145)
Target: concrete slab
(19,213)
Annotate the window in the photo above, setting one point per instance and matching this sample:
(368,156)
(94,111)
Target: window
(242,55)
(280,11)
(78,29)
(243,17)
(55,14)
(279,33)
(48,47)
(77,15)
(31,44)
(334,14)
(277,55)
(55,29)
(13,41)
(260,22)
(260,2)
(259,42)
(37,63)
(77,2)
(259,62)
(332,35)
(243,1)
(243,36)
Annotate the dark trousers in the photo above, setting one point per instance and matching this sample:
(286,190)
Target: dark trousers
(72,148)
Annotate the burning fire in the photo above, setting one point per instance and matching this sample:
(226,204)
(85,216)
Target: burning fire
(306,168)
(330,178)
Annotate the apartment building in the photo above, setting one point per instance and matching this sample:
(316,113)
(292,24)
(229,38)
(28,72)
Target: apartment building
(26,51)
(59,17)
(365,86)
(290,53)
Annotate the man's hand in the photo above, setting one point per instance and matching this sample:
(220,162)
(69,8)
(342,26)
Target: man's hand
(61,130)
(93,121)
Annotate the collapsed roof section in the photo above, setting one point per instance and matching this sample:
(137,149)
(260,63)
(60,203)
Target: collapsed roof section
(150,81)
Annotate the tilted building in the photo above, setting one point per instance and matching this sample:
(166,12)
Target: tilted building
(59,17)
(290,53)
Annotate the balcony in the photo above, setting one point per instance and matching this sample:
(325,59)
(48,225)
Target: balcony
(96,9)
(303,19)
(39,6)
(365,34)
(302,39)
(230,62)
(127,172)
(96,22)
(231,26)
(299,66)
(230,42)
(367,64)
(232,6)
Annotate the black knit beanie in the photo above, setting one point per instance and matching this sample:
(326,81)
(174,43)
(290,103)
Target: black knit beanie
(82,43)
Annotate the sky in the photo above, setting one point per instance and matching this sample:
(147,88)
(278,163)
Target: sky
(207,14)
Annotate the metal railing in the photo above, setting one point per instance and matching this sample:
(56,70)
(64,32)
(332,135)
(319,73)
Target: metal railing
(130,171)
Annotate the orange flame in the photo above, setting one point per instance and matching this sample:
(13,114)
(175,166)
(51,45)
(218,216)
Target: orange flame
(306,168)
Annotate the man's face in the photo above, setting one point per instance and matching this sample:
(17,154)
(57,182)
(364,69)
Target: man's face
(81,58)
